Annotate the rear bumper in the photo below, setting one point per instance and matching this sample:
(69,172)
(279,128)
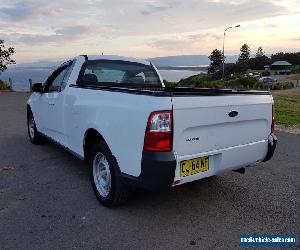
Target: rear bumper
(272,142)
(157,171)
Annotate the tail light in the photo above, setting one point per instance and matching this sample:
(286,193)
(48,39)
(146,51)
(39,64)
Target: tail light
(273,120)
(159,131)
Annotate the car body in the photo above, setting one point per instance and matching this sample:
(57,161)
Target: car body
(116,113)
(267,80)
(256,74)
(285,72)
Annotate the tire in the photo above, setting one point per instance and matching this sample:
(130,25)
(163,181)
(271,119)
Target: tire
(34,136)
(106,183)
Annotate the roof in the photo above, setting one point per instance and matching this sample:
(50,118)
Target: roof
(117,58)
(281,63)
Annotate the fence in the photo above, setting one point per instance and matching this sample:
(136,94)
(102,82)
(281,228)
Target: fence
(14,88)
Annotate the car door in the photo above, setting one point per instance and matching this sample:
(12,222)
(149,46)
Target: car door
(52,102)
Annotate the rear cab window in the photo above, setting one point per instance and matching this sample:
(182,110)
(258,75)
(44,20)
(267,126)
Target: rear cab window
(118,74)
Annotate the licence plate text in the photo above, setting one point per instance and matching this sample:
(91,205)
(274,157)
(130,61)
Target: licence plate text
(194,166)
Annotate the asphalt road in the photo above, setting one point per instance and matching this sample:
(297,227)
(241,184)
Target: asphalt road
(46,200)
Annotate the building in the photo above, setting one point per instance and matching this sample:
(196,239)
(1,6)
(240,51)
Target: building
(281,65)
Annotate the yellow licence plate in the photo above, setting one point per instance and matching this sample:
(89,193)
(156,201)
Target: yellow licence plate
(194,166)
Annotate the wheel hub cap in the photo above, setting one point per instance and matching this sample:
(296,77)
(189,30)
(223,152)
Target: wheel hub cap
(31,127)
(101,174)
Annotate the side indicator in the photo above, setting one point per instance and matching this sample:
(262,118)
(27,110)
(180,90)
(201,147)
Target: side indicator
(233,113)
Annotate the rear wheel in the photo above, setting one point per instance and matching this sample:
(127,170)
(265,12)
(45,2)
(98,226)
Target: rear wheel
(34,136)
(106,182)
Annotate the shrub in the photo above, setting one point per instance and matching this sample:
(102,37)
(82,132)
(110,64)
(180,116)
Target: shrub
(249,82)
(205,81)
(266,73)
(195,81)
(170,84)
(295,69)
(282,85)
(4,86)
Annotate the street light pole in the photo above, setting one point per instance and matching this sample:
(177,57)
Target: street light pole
(237,26)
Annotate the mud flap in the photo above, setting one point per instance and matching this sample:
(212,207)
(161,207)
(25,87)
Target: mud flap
(272,142)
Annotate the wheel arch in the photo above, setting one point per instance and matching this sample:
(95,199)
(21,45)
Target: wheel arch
(28,109)
(91,136)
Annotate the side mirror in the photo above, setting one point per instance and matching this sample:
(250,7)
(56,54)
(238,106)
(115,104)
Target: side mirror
(37,87)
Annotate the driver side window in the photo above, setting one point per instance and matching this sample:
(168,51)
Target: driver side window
(55,85)
(56,82)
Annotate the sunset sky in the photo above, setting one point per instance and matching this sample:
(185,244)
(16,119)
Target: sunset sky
(51,30)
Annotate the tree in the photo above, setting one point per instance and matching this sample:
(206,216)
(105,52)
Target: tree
(293,58)
(5,54)
(259,52)
(216,57)
(260,60)
(245,54)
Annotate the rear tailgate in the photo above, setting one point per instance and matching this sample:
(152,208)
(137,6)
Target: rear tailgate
(203,126)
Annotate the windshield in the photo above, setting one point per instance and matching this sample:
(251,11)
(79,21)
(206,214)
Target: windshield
(118,73)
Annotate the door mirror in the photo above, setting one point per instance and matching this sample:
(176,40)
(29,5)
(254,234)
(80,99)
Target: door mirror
(37,87)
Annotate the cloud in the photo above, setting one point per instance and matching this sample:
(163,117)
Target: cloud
(151,17)
(167,17)
(154,8)
(272,25)
(47,10)
(19,11)
(201,36)
(192,42)
(70,33)
(148,27)
(14,14)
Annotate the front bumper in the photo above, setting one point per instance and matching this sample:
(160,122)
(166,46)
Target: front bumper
(272,142)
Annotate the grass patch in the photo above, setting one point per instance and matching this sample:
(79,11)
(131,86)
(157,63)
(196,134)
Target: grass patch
(287,108)
(294,77)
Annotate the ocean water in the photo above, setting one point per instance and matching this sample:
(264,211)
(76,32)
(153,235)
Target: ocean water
(20,76)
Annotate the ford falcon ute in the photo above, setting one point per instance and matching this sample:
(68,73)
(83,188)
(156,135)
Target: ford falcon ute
(116,113)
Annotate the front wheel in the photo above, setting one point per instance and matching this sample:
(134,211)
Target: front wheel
(106,182)
(34,136)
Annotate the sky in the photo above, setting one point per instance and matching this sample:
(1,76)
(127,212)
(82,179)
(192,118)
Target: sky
(60,29)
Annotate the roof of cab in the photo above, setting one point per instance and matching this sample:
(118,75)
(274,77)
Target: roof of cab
(116,58)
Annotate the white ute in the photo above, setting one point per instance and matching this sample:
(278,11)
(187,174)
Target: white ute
(116,113)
